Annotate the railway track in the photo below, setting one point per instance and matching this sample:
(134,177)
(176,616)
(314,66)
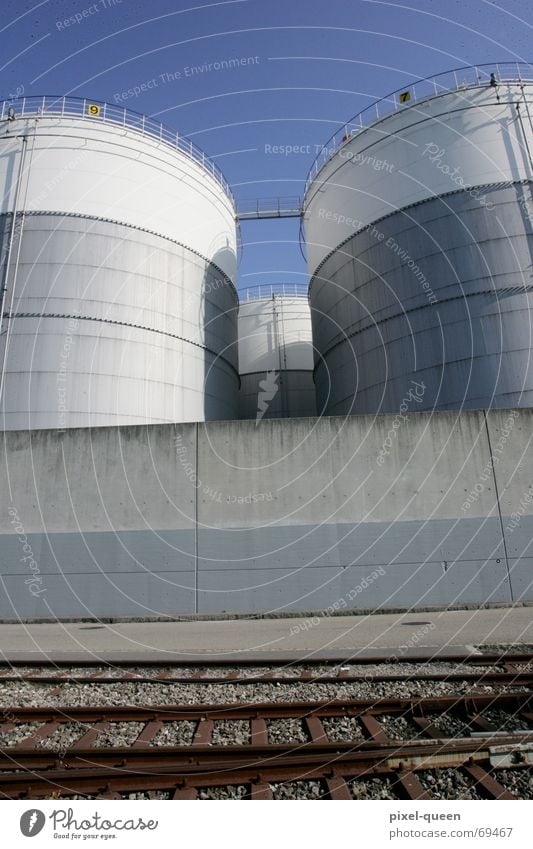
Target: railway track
(473,741)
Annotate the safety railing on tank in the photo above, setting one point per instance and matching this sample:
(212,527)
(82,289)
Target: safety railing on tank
(413,93)
(268,290)
(97,110)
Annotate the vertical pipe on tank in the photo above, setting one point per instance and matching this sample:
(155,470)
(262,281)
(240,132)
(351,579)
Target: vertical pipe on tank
(11,241)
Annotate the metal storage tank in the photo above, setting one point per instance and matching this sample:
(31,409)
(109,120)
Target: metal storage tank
(275,353)
(118,258)
(418,226)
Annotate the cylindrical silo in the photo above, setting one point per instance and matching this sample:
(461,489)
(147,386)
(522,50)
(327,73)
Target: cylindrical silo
(418,224)
(118,257)
(275,353)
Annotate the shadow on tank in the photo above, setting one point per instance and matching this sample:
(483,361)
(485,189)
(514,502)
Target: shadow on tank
(219,308)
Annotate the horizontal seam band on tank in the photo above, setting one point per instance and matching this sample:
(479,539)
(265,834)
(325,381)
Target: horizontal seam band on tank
(516,290)
(285,371)
(376,122)
(122,324)
(491,186)
(450,406)
(131,227)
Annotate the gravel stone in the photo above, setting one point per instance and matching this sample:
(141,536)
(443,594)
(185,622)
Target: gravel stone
(237,791)
(150,794)
(286,731)
(119,734)
(65,736)
(372,788)
(18,734)
(298,790)
(448,784)
(505,721)
(153,693)
(450,726)
(518,781)
(231,732)
(508,648)
(175,733)
(342,728)
(399,728)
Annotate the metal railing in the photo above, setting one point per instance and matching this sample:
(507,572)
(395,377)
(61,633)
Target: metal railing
(99,111)
(268,290)
(272,207)
(421,90)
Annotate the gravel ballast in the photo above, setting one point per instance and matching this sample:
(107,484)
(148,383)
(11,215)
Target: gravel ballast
(286,731)
(231,732)
(298,790)
(372,788)
(131,693)
(448,784)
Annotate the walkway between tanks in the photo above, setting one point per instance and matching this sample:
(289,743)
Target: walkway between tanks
(400,635)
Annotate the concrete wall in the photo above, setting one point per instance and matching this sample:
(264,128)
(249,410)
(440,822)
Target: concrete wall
(298,514)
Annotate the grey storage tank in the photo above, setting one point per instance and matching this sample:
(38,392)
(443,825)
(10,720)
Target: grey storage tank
(275,353)
(118,243)
(418,227)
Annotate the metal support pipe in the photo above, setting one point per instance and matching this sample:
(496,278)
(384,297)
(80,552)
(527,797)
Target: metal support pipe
(8,262)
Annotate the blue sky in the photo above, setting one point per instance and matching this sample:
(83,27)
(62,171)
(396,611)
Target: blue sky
(305,67)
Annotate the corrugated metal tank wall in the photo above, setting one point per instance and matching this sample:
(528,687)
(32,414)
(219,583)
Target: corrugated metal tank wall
(120,306)
(420,244)
(275,354)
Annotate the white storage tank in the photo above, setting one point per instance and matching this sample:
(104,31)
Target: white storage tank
(118,261)
(275,353)
(418,223)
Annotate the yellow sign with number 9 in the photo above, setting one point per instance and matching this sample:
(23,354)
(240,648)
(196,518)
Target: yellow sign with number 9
(93,109)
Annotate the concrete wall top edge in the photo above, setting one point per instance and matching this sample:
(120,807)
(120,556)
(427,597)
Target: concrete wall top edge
(310,421)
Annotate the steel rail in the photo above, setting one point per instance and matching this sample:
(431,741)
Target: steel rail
(503,677)
(125,770)
(274,660)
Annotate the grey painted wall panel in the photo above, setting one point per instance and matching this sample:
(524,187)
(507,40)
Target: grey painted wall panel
(288,515)
(318,589)
(99,596)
